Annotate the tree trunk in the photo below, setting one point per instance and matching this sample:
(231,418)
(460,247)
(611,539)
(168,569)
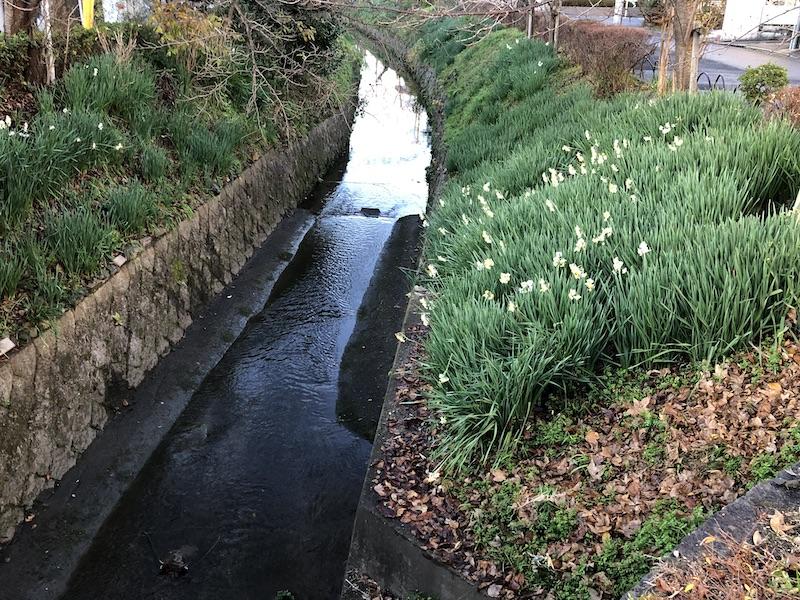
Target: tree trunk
(663,60)
(683,25)
(530,21)
(49,53)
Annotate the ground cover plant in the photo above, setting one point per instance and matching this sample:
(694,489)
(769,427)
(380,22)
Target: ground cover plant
(577,233)
(600,490)
(133,136)
(607,352)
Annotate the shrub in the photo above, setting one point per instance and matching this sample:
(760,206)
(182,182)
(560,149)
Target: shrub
(153,163)
(14,60)
(131,208)
(79,240)
(105,84)
(785,104)
(606,53)
(759,83)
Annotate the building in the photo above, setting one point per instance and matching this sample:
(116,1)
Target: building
(753,19)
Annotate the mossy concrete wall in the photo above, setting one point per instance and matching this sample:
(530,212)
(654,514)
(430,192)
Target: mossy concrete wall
(56,392)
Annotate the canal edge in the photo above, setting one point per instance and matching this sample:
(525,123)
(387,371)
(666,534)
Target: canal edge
(163,292)
(382,549)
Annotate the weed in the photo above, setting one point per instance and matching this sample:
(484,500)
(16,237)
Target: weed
(131,208)
(106,84)
(79,239)
(153,163)
(626,562)
(44,303)
(11,269)
(766,466)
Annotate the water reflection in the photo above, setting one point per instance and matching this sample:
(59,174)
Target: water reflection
(256,485)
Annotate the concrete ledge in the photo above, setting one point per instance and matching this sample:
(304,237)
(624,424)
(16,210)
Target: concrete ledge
(381,548)
(736,522)
(56,392)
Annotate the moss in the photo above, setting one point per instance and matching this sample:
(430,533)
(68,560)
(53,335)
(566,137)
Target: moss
(626,562)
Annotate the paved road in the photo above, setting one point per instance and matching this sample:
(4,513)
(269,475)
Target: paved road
(730,62)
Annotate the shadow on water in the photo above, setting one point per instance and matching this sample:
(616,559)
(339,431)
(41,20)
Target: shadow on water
(255,487)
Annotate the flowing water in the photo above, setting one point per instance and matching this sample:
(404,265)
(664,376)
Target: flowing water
(255,487)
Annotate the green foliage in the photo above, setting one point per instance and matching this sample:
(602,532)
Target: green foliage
(284,595)
(626,562)
(210,150)
(686,195)
(766,466)
(14,60)
(56,147)
(11,269)
(109,117)
(108,85)
(131,208)
(153,163)
(441,40)
(511,540)
(79,240)
(759,83)
(45,300)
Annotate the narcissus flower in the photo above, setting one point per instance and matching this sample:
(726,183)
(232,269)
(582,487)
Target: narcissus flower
(432,271)
(574,295)
(577,271)
(643,249)
(505,278)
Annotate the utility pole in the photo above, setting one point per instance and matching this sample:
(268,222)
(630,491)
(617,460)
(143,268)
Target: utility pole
(619,10)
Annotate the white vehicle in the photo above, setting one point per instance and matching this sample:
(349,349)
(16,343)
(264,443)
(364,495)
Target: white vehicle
(750,19)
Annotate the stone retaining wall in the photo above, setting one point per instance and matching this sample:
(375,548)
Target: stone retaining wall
(55,392)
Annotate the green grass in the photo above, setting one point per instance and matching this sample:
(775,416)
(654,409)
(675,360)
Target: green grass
(691,213)
(511,541)
(105,84)
(131,208)
(80,240)
(118,148)
(626,562)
